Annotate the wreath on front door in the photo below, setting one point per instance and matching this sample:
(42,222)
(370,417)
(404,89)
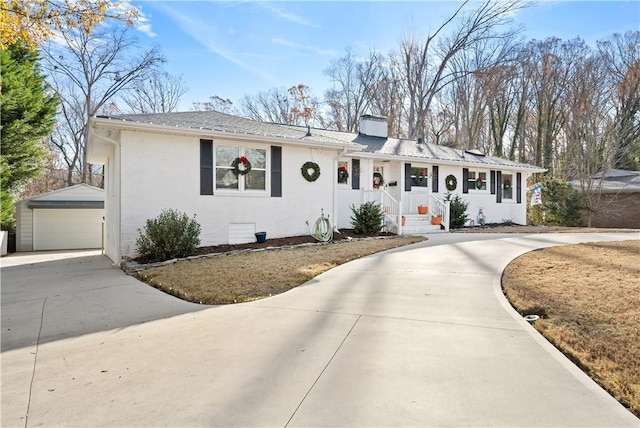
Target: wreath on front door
(451,182)
(378,180)
(246,166)
(507,184)
(315,171)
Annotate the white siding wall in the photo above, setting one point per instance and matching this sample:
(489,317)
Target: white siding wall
(112,205)
(163,171)
(24,227)
(494,212)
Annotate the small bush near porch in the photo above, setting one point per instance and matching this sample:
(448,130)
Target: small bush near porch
(367,218)
(458,211)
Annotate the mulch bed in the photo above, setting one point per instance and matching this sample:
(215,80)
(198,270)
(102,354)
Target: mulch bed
(344,235)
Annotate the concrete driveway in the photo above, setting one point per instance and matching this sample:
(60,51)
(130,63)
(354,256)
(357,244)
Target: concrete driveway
(56,295)
(419,336)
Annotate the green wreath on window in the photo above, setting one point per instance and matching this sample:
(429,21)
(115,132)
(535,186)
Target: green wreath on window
(507,184)
(343,174)
(310,166)
(451,182)
(246,166)
(479,182)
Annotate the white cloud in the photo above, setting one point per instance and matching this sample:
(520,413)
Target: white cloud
(142,23)
(287,16)
(203,32)
(289,43)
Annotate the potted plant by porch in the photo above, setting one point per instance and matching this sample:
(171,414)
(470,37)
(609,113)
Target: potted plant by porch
(422,210)
(436,220)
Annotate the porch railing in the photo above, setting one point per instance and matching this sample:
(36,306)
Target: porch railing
(389,205)
(413,199)
(440,208)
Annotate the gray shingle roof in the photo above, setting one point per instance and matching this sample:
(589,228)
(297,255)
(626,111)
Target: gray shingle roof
(222,122)
(390,147)
(615,180)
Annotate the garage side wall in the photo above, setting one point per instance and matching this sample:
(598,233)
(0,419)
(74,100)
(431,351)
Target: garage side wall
(24,227)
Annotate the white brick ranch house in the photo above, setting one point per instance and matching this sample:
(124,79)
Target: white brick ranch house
(186,161)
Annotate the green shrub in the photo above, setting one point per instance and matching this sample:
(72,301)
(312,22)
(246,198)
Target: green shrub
(367,218)
(560,205)
(172,234)
(458,211)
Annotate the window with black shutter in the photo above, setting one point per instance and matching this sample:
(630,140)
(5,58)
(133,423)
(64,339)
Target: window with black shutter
(465,180)
(206,167)
(434,178)
(276,171)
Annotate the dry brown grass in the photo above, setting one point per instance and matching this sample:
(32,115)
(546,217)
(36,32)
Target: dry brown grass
(251,276)
(589,296)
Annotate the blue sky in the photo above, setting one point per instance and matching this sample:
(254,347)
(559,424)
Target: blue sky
(235,48)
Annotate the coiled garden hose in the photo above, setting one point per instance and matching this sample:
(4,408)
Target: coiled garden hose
(322,230)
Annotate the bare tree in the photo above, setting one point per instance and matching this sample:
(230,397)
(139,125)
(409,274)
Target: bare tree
(386,99)
(587,128)
(87,71)
(215,103)
(549,65)
(622,56)
(349,98)
(424,65)
(272,106)
(293,106)
(158,92)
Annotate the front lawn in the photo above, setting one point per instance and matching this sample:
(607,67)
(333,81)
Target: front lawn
(255,275)
(589,297)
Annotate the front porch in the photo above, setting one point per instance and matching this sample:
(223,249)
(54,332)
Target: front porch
(412,214)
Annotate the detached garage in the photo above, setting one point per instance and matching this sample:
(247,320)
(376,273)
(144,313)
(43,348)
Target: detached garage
(66,219)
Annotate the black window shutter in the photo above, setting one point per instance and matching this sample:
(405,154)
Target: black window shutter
(206,167)
(519,188)
(498,185)
(465,180)
(434,178)
(407,177)
(276,172)
(492,179)
(355,174)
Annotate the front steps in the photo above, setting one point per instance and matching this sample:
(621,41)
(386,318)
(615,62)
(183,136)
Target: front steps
(416,224)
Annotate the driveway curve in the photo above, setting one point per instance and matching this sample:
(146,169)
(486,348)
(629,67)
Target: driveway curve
(53,295)
(417,336)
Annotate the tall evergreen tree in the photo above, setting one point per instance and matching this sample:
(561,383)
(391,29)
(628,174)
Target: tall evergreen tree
(27,115)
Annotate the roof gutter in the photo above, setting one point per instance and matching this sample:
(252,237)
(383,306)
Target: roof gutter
(449,162)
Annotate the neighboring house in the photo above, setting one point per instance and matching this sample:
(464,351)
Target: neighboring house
(66,219)
(619,203)
(186,161)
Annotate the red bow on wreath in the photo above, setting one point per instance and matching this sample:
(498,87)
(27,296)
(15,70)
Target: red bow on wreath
(244,160)
(343,169)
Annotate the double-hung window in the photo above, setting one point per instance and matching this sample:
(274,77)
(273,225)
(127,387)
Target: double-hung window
(477,180)
(231,177)
(419,176)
